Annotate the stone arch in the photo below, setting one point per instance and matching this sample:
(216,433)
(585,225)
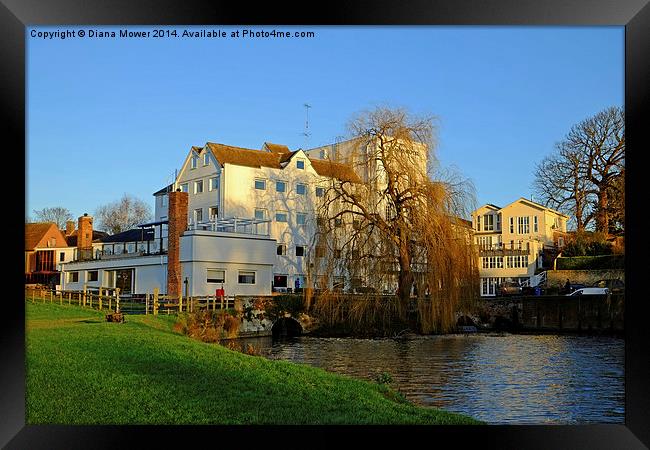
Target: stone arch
(286,327)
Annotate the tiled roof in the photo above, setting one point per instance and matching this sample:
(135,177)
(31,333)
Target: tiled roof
(258,158)
(244,156)
(276,148)
(331,169)
(34,232)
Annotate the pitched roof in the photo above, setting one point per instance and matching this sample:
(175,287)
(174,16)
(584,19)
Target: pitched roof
(34,233)
(331,169)
(276,148)
(165,189)
(244,156)
(258,158)
(540,206)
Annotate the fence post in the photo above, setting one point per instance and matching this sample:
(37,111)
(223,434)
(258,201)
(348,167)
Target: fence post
(155,301)
(69,298)
(117,300)
(146,304)
(180,302)
(84,298)
(110,300)
(90,297)
(100,298)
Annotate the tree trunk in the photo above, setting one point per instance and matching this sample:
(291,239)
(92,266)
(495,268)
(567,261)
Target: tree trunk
(405,279)
(602,217)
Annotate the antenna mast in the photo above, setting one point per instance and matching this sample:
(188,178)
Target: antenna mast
(307,133)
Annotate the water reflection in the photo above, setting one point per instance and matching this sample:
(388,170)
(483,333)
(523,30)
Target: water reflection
(501,379)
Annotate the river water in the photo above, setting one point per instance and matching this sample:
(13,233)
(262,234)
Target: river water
(497,378)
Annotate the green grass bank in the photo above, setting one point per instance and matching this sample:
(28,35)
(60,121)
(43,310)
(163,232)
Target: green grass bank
(83,370)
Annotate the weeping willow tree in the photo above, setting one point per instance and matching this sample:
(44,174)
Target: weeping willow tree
(397,229)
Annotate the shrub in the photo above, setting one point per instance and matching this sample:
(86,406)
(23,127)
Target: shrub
(591,262)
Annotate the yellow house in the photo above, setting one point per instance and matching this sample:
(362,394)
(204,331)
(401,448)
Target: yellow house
(513,240)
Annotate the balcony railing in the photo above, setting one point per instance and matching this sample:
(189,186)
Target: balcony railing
(234,225)
(503,249)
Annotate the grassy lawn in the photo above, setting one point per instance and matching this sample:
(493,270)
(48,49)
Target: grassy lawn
(83,370)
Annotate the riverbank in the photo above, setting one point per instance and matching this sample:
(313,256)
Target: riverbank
(82,370)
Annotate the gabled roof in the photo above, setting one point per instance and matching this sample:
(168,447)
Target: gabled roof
(331,169)
(489,205)
(287,156)
(244,156)
(276,148)
(34,233)
(539,206)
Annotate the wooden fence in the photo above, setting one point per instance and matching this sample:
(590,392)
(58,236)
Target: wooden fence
(109,299)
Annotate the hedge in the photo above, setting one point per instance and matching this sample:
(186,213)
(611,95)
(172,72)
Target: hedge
(591,262)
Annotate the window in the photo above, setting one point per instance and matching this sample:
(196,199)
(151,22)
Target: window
(260,184)
(246,277)
(281,216)
(281,249)
(320,192)
(206,158)
(73,277)
(478,223)
(300,250)
(93,275)
(214,184)
(198,215)
(184,187)
(301,218)
(523,225)
(535,227)
(163,200)
(280,186)
(260,214)
(301,189)
(356,224)
(280,281)
(194,162)
(61,256)
(198,187)
(214,212)
(512,225)
(488,222)
(338,222)
(498,222)
(216,276)
(300,164)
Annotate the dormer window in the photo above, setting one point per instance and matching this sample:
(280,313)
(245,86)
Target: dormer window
(300,164)
(194,162)
(206,158)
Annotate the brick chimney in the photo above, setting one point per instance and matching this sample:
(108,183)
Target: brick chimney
(177,225)
(85,237)
(69,227)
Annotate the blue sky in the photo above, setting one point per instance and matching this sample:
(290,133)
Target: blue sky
(108,116)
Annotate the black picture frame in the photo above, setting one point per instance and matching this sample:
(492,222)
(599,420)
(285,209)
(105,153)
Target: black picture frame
(16,15)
